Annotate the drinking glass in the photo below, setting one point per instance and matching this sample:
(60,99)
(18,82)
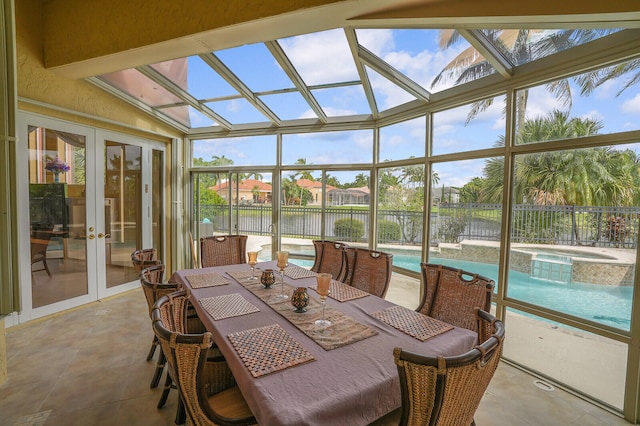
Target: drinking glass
(283,262)
(324,281)
(253,259)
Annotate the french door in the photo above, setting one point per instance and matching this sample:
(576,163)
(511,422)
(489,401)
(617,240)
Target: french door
(93,197)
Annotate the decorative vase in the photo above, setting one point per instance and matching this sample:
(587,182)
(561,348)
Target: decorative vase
(268,278)
(300,299)
(56,177)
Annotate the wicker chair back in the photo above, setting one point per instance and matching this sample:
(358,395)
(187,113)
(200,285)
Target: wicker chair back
(447,390)
(220,250)
(452,294)
(199,378)
(367,270)
(330,257)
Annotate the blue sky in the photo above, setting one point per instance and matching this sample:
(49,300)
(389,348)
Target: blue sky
(324,57)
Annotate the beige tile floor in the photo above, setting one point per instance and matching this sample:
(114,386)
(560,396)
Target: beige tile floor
(87,367)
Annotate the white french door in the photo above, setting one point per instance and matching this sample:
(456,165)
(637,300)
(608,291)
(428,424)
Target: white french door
(89,194)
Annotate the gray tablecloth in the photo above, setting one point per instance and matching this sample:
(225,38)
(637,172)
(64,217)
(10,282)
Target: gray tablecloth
(351,385)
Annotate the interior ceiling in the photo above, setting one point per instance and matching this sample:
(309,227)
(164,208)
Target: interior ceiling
(164,84)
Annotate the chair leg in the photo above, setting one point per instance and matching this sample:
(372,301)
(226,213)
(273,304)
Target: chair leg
(152,350)
(168,385)
(181,415)
(159,369)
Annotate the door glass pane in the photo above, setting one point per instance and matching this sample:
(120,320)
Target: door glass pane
(122,210)
(57,215)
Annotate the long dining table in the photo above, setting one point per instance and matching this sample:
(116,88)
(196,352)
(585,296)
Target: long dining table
(352,382)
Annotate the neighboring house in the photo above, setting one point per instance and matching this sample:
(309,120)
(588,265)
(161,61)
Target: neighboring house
(250,191)
(340,197)
(445,194)
(315,187)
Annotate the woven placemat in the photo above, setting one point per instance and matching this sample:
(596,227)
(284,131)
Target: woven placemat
(227,306)
(343,292)
(296,272)
(211,279)
(411,322)
(268,349)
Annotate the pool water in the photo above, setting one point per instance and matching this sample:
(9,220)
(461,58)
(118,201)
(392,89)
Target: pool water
(610,305)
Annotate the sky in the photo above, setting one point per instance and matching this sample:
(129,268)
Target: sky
(323,58)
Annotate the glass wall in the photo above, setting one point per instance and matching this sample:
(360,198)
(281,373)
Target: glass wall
(564,285)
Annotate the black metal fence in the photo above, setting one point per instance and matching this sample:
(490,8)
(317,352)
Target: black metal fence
(450,223)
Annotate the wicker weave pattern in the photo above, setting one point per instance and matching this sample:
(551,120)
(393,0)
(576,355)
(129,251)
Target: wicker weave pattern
(227,306)
(223,250)
(452,294)
(268,349)
(342,292)
(206,280)
(412,323)
(296,272)
(368,270)
(457,383)
(144,258)
(329,257)
(189,367)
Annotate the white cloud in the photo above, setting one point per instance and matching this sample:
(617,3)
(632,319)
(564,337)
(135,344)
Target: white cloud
(322,57)
(631,106)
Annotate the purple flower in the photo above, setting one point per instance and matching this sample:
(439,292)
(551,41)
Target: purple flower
(56,166)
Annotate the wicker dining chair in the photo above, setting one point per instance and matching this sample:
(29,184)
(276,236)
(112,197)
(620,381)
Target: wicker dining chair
(144,258)
(367,270)
(451,294)
(330,257)
(447,390)
(219,250)
(206,385)
(151,280)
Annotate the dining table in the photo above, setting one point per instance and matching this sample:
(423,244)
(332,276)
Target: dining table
(292,372)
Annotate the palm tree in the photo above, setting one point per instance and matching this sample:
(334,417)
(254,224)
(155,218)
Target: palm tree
(302,174)
(523,46)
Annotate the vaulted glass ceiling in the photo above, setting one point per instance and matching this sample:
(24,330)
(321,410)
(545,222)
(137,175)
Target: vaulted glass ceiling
(337,74)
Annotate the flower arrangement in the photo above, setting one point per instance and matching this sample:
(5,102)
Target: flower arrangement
(56,166)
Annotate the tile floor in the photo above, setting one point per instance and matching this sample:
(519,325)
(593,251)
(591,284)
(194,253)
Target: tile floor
(87,367)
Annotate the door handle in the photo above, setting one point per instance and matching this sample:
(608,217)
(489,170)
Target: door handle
(101,235)
(91,236)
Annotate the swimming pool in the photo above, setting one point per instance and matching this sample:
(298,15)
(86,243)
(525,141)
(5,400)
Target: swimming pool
(610,305)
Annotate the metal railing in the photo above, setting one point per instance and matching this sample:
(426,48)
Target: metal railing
(452,223)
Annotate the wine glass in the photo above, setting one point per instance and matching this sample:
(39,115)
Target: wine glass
(253,259)
(283,262)
(324,282)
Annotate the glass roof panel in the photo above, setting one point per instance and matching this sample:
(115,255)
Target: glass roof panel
(387,94)
(178,113)
(244,61)
(288,105)
(237,111)
(202,82)
(340,101)
(523,46)
(321,58)
(139,86)
(418,55)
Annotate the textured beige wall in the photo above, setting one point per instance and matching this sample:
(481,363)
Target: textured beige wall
(140,23)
